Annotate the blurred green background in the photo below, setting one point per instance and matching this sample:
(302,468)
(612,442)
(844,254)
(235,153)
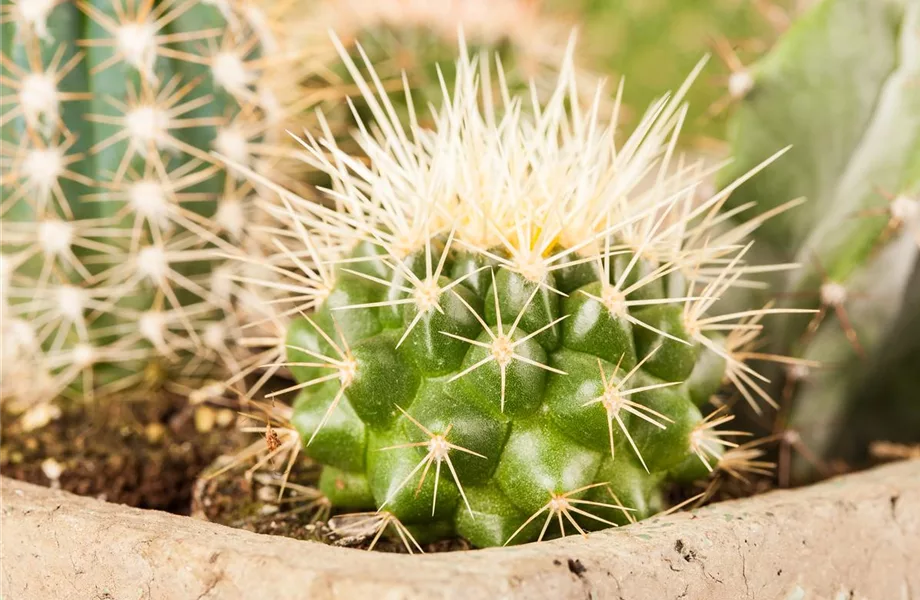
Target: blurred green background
(654,44)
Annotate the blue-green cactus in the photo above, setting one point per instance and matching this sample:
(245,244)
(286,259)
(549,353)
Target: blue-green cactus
(113,202)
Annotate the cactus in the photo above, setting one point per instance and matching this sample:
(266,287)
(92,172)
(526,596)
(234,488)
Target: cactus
(852,117)
(113,203)
(508,323)
(420,38)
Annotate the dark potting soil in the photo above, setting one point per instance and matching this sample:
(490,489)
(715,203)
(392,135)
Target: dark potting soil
(158,453)
(256,504)
(145,453)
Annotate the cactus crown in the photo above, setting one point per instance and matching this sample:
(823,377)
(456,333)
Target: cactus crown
(511,314)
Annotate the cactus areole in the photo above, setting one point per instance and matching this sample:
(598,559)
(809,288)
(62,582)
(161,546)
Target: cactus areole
(506,329)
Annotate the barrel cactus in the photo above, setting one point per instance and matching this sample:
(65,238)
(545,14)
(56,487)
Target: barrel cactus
(507,325)
(113,203)
(853,120)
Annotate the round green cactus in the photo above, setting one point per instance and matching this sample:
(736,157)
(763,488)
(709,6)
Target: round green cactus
(506,387)
(508,321)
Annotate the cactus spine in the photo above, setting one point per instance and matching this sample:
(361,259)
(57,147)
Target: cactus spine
(509,320)
(420,38)
(113,203)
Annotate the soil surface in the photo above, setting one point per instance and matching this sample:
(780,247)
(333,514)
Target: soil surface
(253,503)
(256,503)
(145,453)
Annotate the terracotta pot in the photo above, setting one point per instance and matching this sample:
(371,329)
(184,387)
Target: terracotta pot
(853,537)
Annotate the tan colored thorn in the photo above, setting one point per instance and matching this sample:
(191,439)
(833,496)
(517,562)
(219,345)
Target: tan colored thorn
(563,504)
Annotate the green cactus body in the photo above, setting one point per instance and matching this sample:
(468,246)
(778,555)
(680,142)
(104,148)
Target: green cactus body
(113,202)
(507,387)
(498,334)
(852,118)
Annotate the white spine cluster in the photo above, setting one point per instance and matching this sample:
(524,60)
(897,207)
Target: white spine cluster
(38,97)
(34,15)
(137,42)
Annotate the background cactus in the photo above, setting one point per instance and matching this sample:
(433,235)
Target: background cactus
(651,44)
(654,43)
(114,208)
(843,89)
(420,39)
(509,320)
